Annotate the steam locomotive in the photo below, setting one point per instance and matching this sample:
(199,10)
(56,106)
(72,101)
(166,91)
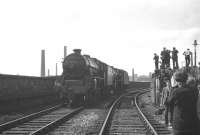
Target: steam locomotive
(86,79)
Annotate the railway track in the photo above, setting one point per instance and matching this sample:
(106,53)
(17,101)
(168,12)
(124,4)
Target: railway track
(126,117)
(58,120)
(38,123)
(153,126)
(88,121)
(123,117)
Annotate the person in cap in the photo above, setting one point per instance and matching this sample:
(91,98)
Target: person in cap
(183,100)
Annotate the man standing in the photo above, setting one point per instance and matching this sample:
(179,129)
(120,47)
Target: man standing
(184,101)
(187,54)
(156,58)
(168,57)
(163,57)
(165,95)
(175,58)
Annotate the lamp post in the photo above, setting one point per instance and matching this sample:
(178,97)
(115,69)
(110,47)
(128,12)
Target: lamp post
(195,54)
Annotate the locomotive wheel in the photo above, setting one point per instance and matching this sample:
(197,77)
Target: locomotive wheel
(86,100)
(80,99)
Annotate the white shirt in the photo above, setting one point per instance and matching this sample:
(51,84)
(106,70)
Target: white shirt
(187,52)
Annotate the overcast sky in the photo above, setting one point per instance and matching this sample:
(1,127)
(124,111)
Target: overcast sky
(122,33)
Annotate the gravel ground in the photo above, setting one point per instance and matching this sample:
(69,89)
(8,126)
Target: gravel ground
(147,103)
(87,122)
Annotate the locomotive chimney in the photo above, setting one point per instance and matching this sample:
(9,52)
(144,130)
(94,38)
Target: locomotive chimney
(42,63)
(77,51)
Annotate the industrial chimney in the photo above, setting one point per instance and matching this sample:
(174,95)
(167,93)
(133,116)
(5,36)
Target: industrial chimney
(56,69)
(43,63)
(48,72)
(133,79)
(65,51)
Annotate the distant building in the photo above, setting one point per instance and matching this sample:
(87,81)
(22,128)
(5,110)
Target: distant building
(135,75)
(143,78)
(140,78)
(150,75)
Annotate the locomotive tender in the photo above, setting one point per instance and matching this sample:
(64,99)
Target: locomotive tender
(86,79)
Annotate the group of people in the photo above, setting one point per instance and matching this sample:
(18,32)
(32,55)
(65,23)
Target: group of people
(166,56)
(179,99)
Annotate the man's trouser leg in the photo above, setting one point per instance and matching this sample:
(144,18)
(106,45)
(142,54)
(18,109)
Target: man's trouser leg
(186,61)
(163,63)
(166,114)
(174,62)
(156,65)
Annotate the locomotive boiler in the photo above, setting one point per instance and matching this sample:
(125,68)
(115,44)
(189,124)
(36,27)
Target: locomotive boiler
(86,79)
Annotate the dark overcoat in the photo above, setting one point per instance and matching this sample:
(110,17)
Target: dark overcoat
(183,101)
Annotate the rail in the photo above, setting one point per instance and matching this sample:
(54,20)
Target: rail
(57,122)
(143,116)
(16,122)
(108,117)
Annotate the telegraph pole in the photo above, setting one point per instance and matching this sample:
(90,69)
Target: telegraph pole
(195,54)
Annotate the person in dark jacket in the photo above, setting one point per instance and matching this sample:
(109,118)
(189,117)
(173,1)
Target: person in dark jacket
(184,101)
(156,58)
(168,57)
(175,58)
(163,57)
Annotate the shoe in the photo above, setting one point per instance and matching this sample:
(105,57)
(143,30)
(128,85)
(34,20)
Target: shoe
(169,125)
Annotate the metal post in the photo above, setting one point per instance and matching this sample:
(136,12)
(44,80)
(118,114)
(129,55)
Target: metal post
(195,45)
(192,59)
(133,79)
(195,56)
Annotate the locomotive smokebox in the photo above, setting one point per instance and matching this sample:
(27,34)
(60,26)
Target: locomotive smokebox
(77,51)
